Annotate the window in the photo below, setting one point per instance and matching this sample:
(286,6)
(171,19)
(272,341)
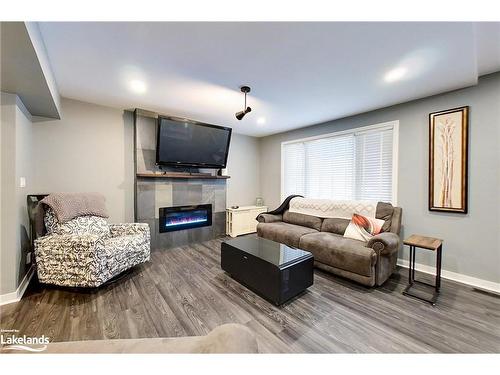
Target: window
(356,164)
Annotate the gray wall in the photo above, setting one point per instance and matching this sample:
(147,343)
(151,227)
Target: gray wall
(243,165)
(89,149)
(472,241)
(24,168)
(16,162)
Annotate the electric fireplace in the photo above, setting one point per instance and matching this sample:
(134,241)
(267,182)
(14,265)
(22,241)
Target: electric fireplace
(185,217)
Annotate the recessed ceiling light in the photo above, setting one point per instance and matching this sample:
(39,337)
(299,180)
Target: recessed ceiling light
(138,86)
(261,120)
(395,74)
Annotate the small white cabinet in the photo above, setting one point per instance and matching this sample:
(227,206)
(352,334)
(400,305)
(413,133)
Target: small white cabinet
(242,220)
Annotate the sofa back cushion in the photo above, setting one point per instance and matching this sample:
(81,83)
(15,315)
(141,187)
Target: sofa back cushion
(396,220)
(337,226)
(79,225)
(308,221)
(384,212)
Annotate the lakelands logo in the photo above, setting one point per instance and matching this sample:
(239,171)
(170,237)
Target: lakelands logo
(10,340)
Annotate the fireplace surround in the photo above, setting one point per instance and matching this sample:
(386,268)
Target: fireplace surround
(154,191)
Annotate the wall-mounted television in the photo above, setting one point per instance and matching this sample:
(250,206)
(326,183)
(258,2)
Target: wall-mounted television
(187,143)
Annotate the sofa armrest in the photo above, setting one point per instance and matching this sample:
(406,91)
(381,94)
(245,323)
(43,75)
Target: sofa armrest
(386,243)
(129,229)
(269,218)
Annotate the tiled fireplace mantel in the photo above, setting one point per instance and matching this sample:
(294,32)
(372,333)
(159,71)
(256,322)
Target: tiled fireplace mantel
(154,191)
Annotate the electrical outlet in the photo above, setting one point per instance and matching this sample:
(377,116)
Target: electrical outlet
(28,258)
(22,182)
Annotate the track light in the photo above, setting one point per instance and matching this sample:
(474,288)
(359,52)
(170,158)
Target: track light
(241,114)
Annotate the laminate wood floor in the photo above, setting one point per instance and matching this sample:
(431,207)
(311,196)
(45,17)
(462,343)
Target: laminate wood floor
(184,292)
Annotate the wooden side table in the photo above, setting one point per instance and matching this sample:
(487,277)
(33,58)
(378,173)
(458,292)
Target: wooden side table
(427,243)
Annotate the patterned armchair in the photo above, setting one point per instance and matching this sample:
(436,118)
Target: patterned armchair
(87,251)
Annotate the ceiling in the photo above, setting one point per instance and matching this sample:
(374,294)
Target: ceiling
(22,72)
(300,73)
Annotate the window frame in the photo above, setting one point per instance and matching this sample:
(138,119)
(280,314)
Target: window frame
(394,125)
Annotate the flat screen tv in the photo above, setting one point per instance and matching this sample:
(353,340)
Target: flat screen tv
(186,143)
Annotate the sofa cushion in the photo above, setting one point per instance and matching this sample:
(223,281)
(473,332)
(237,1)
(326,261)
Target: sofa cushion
(339,252)
(288,234)
(227,338)
(337,226)
(302,220)
(384,212)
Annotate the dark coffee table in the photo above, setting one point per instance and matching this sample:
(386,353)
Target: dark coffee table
(274,271)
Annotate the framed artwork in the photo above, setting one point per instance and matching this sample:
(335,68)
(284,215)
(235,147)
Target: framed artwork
(448,160)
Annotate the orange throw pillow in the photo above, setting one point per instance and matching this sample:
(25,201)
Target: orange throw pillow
(363,228)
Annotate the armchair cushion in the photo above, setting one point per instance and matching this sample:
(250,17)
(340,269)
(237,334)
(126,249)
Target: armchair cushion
(81,225)
(386,243)
(128,229)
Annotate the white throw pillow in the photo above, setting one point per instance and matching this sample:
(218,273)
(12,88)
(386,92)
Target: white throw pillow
(363,228)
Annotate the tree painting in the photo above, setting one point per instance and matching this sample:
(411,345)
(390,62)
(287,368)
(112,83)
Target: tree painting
(448,160)
(446,129)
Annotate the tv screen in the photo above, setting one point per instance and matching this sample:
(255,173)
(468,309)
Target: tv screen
(192,144)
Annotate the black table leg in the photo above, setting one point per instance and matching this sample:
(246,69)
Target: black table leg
(438,269)
(413,268)
(410,266)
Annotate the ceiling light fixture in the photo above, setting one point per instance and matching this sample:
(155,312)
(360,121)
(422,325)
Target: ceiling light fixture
(241,114)
(261,120)
(395,74)
(138,86)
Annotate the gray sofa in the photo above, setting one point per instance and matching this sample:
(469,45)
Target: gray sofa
(369,263)
(227,338)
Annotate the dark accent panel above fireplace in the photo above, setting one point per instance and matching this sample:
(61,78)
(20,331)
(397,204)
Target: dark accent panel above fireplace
(151,194)
(184,217)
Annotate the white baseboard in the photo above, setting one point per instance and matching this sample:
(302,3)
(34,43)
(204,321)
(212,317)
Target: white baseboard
(18,294)
(489,286)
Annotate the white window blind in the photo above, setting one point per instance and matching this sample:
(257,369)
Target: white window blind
(374,165)
(351,165)
(294,168)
